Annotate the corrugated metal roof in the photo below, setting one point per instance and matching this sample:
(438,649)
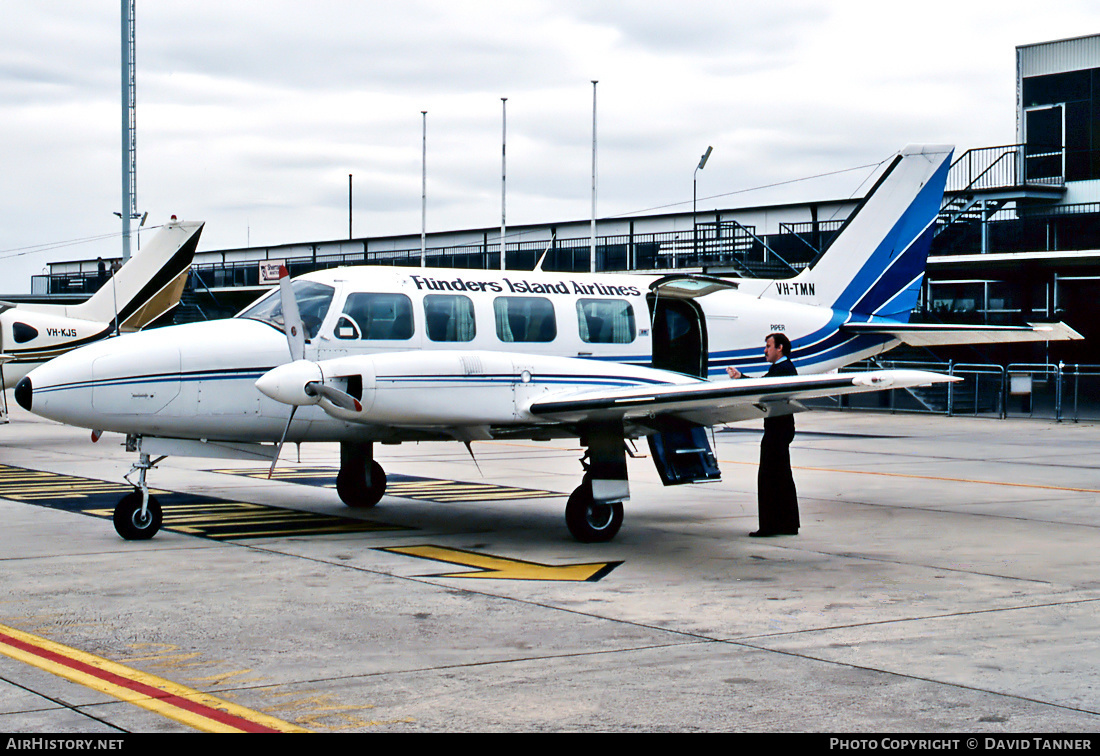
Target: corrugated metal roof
(1058,56)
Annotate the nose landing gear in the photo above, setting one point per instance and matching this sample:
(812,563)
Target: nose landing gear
(137,518)
(138,515)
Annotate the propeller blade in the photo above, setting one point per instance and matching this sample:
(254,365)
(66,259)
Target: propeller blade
(341,399)
(292,319)
(279,448)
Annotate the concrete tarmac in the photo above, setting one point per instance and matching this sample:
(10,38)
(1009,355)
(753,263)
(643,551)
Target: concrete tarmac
(945,581)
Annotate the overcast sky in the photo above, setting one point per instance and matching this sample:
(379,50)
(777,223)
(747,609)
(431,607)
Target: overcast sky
(251,115)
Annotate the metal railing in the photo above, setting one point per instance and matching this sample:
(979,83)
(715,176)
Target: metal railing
(1058,392)
(1006,166)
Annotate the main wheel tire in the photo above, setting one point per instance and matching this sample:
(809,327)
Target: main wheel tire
(361,492)
(590,521)
(129,522)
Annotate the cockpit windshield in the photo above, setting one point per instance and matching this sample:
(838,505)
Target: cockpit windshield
(313,303)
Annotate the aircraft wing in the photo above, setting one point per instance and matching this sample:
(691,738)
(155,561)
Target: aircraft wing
(936,334)
(501,390)
(710,403)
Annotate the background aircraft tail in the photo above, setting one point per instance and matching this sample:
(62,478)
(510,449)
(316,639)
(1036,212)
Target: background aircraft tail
(875,264)
(150,284)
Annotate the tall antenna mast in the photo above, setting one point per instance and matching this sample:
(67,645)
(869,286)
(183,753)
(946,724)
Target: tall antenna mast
(129,126)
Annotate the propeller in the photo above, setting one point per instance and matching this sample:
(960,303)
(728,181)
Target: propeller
(282,440)
(296,341)
(284,383)
(341,399)
(292,318)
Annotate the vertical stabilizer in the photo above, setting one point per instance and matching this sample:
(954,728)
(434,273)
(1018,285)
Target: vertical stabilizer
(150,284)
(875,264)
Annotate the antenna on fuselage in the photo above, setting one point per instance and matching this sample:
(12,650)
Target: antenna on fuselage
(470,448)
(542,257)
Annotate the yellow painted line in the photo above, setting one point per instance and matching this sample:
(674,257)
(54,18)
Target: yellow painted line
(931,477)
(488,566)
(444,490)
(169,699)
(298,531)
(425,489)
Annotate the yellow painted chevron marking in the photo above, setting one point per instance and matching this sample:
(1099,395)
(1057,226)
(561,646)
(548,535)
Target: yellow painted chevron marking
(487,566)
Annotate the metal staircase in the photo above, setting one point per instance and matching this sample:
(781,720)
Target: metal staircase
(982,182)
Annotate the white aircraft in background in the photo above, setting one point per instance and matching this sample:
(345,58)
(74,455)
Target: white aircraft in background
(378,354)
(145,288)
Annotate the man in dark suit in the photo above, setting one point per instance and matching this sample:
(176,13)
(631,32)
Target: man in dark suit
(778,502)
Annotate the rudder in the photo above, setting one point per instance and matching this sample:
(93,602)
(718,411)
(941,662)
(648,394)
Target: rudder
(876,263)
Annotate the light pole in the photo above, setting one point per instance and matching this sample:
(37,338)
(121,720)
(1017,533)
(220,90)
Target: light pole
(694,185)
(503,171)
(423,188)
(592,247)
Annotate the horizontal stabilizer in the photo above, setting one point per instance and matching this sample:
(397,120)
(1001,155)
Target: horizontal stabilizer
(937,334)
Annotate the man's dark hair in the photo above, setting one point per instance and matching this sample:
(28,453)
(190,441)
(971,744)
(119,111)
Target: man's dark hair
(781,341)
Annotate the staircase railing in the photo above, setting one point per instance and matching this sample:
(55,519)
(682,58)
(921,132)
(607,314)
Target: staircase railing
(770,256)
(1002,167)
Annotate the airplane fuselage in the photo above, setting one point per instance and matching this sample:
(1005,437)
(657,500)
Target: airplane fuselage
(198,380)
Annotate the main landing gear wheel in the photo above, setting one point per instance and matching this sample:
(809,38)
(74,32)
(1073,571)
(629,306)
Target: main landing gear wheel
(131,524)
(361,492)
(592,521)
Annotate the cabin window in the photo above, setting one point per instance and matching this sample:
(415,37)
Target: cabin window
(449,317)
(313,302)
(346,328)
(529,319)
(24,333)
(377,317)
(605,321)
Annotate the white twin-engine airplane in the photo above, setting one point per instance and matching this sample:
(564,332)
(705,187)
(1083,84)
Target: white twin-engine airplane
(142,290)
(378,354)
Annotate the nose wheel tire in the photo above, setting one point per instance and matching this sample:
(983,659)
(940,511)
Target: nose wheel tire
(131,524)
(592,521)
(361,491)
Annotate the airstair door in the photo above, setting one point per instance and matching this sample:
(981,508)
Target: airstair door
(682,454)
(679,332)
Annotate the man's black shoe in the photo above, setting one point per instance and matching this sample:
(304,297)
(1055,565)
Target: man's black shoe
(770,533)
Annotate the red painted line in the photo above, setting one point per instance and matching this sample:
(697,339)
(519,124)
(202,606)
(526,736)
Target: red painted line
(137,687)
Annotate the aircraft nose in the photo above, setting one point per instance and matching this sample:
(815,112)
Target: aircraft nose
(23,392)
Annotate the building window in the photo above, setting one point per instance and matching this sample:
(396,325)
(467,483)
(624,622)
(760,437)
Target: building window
(1062,112)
